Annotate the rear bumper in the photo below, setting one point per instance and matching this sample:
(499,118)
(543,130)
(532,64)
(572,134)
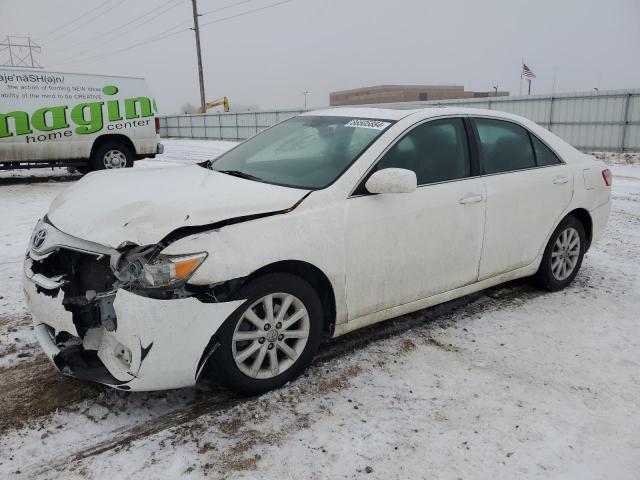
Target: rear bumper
(155,345)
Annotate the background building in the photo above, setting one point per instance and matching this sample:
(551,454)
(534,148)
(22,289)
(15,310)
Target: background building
(404,93)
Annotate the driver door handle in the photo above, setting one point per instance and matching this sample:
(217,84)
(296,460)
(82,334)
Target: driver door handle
(471,198)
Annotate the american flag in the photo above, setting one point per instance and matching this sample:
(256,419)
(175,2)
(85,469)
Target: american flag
(526,71)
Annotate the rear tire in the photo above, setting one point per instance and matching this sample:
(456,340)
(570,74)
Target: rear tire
(111,156)
(261,347)
(563,255)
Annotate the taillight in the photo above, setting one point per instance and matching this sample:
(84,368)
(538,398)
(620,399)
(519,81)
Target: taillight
(158,125)
(606,175)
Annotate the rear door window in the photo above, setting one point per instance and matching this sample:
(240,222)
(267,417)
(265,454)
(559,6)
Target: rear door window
(506,147)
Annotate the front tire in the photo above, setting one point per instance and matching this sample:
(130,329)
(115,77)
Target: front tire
(272,337)
(563,255)
(111,156)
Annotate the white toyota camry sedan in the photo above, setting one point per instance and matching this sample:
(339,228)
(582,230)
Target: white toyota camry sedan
(322,224)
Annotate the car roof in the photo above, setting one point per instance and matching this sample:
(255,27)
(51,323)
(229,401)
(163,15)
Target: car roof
(418,112)
(398,111)
(360,112)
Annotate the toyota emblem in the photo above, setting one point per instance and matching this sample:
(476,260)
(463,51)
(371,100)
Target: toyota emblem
(38,238)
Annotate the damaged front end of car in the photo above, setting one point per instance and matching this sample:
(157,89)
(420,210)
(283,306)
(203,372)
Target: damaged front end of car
(125,317)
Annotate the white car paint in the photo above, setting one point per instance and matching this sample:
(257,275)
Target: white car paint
(392,180)
(144,205)
(398,239)
(523,207)
(383,255)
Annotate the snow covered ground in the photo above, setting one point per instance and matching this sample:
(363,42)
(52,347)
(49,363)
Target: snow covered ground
(509,383)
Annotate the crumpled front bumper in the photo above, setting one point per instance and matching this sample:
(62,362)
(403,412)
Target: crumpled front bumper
(156,344)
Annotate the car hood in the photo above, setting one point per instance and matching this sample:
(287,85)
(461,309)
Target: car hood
(144,205)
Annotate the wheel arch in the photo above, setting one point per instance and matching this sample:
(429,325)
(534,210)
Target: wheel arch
(315,277)
(584,217)
(112,138)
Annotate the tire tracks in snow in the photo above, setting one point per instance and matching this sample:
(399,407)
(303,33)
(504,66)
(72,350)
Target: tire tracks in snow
(221,400)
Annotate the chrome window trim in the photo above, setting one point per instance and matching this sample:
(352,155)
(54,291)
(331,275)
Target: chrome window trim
(508,120)
(522,170)
(472,117)
(474,177)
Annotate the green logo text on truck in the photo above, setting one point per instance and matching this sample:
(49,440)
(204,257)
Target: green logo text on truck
(84,118)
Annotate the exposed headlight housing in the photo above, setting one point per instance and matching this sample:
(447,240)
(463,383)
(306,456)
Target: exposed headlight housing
(170,270)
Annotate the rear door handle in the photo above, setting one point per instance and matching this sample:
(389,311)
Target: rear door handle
(560,180)
(471,198)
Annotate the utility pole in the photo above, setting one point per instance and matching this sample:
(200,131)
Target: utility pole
(21,50)
(305,93)
(196,29)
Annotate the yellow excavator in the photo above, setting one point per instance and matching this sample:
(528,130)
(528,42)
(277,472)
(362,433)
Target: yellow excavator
(224,101)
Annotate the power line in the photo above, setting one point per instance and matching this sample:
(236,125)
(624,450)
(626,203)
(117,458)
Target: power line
(225,7)
(157,10)
(80,17)
(247,12)
(154,38)
(157,38)
(135,45)
(86,22)
(169,31)
(74,20)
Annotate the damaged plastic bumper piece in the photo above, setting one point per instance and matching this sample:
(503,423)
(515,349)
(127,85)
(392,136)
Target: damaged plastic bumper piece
(151,344)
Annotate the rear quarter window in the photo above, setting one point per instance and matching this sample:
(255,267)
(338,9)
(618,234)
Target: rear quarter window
(544,155)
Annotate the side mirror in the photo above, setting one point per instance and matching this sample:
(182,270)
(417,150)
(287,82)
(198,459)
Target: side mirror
(392,180)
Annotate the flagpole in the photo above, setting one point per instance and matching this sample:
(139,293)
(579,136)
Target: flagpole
(521,65)
(529,86)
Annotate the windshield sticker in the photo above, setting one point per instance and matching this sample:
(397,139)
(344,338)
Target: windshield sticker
(372,124)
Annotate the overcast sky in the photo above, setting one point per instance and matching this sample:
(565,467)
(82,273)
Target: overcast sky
(269,57)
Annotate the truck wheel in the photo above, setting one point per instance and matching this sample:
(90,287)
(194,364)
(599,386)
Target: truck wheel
(111,155)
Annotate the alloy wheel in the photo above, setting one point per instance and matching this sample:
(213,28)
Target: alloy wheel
(565,254)
(270,335)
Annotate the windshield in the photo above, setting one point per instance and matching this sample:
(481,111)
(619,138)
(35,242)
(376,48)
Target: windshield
(304,152)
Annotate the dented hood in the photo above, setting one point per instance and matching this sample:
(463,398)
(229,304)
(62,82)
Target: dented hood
(144,205)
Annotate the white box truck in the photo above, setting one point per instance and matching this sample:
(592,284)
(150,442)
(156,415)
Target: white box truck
(90,122)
